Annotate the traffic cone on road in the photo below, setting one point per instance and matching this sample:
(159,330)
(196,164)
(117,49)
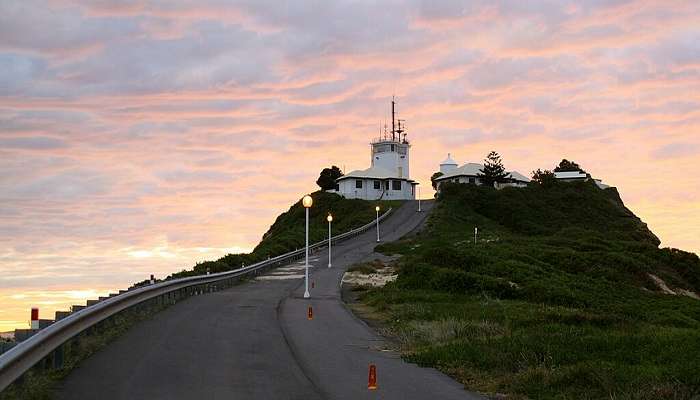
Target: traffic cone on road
(372,385)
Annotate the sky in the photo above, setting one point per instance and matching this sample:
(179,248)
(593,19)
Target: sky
(138,138)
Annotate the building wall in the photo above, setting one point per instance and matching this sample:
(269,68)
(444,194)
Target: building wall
(395,160)
(348,189)
(477,181)
(445,168)
(461,179)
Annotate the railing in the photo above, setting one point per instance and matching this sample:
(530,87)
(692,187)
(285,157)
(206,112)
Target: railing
(18,360)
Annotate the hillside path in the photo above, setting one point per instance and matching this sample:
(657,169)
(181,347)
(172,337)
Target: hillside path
(254,341)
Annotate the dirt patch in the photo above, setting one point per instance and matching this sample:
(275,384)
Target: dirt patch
(376,273)
(667,290)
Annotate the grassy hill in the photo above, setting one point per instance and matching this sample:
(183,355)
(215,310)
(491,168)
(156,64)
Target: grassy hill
(287,232)
(560,298)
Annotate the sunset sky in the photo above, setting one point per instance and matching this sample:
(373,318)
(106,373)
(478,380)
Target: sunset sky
(139,138)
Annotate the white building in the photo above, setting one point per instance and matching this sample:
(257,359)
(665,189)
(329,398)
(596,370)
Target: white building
(469,173)
(388,177)
(578,176)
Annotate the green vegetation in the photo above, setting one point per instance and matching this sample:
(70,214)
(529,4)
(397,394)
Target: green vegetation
(287,232)
(493,170)
(327,177)
(554,301)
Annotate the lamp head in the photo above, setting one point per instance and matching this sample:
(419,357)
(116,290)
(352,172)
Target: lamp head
(329,218)
(307,201)
(376,208)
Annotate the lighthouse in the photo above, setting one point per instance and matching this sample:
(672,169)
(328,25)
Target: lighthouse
(388,177)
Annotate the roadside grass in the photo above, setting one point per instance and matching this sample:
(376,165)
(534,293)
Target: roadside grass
(554,301)
(540,351)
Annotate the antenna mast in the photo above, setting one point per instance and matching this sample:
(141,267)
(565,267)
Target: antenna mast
(393,125)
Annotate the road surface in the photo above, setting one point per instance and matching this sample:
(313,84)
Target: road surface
(254,341)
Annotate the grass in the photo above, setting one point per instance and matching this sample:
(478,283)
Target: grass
(554,301)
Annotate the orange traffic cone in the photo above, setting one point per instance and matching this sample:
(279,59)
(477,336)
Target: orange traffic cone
(372,385)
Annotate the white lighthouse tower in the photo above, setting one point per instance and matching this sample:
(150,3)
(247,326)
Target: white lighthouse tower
(388,177)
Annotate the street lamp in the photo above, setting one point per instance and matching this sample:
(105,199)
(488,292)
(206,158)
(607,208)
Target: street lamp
(329,218)
(419,199)
(307,202)
(377,210)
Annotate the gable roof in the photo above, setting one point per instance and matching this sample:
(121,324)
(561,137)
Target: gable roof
(519,177)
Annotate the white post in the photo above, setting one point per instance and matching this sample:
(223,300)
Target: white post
(329,240)
(377,209)
(419,199)
(475,232)
(306,292)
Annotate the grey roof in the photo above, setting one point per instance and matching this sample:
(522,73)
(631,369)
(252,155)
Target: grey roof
(519,177)
(468,169)
(570,175)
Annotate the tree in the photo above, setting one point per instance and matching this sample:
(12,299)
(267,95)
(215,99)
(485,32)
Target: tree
(543,178)
(493,170)
(568,166)
(326,180)
(435,176)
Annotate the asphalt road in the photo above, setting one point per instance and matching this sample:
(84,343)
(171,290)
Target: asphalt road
(254,341)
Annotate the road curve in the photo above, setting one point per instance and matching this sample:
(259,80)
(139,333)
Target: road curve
(254,341)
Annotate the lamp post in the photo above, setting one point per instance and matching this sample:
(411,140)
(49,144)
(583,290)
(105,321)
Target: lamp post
(377,210)
(307,202)
(419,199)
(329,218)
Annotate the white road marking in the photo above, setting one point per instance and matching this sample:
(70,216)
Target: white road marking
(278,277)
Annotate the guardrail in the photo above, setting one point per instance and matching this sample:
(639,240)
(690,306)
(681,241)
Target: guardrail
(18,360)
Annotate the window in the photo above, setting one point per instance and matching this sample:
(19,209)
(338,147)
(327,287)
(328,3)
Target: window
(382,148)
(377,185)
(472,180)
(392,147)
(386,185)
(358,184)
(396,185)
